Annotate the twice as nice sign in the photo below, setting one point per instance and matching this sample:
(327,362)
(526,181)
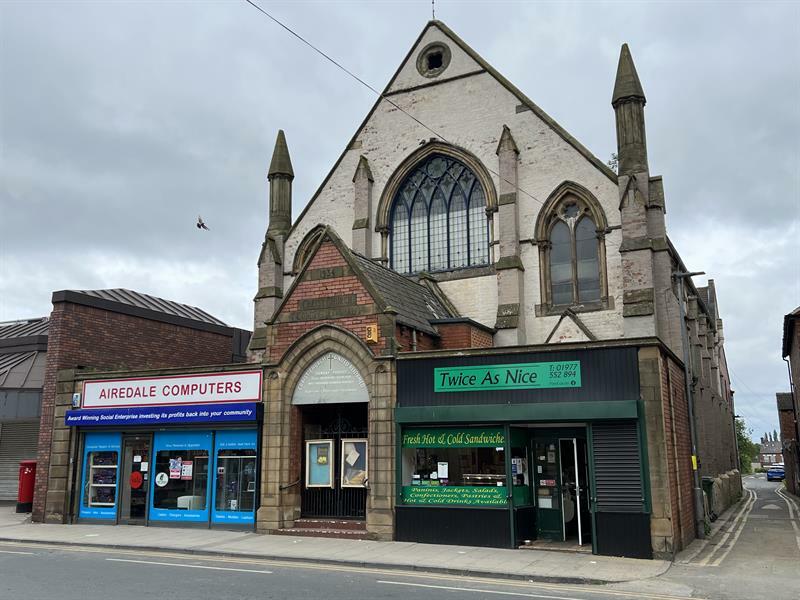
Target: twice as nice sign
(518,376)
(241,386)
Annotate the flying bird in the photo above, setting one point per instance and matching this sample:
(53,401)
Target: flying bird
(200,224)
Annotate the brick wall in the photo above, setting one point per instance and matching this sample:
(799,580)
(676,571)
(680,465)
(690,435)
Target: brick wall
(676,413)
(292,322)
(425,341)
(463,335)
(91,337)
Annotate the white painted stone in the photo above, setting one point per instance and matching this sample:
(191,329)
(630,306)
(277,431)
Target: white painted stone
(470,112)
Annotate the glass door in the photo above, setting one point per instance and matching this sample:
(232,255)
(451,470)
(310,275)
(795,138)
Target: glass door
(547,488)
(134,478)
(571,489)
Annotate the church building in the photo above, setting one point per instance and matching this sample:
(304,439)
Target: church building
(486,315)
(475,333)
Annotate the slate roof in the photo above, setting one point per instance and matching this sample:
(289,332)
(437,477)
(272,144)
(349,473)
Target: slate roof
(415,303)
(24,328)
(143,301)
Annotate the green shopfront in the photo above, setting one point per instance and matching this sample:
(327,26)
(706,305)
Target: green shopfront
(508,449)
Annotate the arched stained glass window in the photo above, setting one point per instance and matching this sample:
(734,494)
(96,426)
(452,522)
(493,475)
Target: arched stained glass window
(438,219)
(574,255)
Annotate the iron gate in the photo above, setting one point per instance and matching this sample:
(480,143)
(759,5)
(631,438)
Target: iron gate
(336,502)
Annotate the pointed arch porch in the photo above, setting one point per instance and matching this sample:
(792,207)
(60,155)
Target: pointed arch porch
(282,476)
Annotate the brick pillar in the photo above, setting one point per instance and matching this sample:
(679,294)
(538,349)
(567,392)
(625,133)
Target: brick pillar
(662,526)
(510,323)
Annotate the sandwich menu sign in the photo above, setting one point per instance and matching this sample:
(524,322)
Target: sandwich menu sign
(518,376)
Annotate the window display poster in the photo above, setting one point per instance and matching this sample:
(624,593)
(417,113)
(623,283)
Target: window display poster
(354,463)
(98,442)
(319,466)
(443,469)
(232,510)
(175,468)
(186,470)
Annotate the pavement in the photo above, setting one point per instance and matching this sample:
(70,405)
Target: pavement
(526,565)
(753,550)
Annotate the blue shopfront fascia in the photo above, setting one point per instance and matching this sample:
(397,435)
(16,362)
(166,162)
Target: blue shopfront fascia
(99,442)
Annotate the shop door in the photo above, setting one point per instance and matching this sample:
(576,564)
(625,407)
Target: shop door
(574,490)
(134,478)
(547,488)
(335,465)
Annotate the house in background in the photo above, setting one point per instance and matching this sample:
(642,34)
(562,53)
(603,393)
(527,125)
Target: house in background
(770,450)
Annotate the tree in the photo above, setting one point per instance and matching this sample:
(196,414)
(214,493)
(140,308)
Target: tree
(748,450)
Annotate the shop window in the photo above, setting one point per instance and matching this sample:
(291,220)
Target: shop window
(236,469)
(180,485)
(181,480)
(236,480)
(100,479)
(454,466)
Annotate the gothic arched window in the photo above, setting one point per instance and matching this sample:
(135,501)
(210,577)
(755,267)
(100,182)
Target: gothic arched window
(572,251)
(438,218)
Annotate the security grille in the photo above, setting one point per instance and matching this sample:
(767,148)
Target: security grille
(18,441)
(617,467)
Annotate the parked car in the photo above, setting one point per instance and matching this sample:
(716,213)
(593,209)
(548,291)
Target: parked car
(776,473)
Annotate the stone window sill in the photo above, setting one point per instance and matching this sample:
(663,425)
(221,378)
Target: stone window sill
(548,310)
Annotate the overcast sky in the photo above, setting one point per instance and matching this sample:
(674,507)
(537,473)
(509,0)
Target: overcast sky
(121,122)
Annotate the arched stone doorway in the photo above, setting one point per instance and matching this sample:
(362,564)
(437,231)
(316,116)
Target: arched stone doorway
(333,403)
(296,413)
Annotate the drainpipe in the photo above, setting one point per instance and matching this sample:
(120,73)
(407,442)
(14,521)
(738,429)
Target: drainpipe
(699,512)
(413,340)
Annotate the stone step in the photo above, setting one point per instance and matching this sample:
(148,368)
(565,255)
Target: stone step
(342,534)
(336,524)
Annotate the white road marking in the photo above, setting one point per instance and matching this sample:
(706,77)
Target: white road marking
(15,552)
(790,504)
(164,564)
(736,535)
(771,507)
(478,591)
(737,524)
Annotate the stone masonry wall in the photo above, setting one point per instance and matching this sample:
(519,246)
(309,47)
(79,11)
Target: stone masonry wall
(85,336)
(470,112)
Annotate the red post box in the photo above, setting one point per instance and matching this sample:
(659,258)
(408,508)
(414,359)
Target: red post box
(27,477)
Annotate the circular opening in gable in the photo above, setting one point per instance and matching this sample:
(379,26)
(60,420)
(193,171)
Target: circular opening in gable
(433,59)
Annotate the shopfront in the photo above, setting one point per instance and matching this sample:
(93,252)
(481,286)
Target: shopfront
(511,449)
(169,450)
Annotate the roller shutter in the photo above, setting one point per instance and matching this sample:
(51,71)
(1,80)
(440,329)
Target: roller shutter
(18,441)
(617,467)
